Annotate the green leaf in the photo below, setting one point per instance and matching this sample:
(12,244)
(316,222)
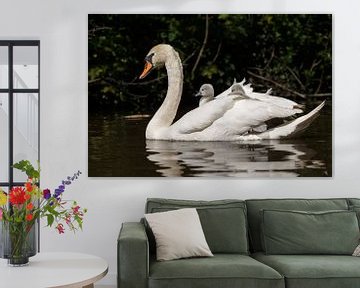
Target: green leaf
(28,168)
(50,219)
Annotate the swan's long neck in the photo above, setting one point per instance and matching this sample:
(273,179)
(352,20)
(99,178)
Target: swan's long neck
(164,117)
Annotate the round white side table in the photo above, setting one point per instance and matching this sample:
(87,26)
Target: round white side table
(50,270)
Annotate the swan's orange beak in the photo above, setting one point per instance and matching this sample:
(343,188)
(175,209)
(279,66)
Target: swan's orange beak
(148,67)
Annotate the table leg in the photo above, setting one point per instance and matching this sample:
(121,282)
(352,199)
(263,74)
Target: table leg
(89,286)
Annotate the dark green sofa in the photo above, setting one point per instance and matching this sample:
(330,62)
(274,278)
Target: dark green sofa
(233,231)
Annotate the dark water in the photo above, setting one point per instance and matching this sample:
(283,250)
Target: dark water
(117,148)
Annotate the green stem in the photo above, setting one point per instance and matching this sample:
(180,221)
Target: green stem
(18,239)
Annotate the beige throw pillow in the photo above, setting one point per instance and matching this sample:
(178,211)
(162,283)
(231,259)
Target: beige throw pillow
(178,234)
(357,251)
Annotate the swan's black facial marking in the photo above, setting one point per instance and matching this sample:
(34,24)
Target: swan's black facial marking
(149,57)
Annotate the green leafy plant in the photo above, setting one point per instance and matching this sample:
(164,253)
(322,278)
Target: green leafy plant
(24,205)
(290,53)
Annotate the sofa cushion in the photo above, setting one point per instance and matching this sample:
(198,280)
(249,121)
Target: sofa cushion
(223,221)
(356,209)
(313,271)
(178,234)
(254,216)
(222,270)
(298,232)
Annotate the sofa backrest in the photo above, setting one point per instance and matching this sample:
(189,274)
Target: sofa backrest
(256,205)
(223,221)
(354,205)
(353,202)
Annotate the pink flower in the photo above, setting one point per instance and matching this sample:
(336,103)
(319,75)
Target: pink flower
(1,212)
(60,228)
(68,219)
(76,210)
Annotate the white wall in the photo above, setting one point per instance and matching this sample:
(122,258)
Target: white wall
(62,28)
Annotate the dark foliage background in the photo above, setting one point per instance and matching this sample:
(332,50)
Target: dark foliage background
(290,53)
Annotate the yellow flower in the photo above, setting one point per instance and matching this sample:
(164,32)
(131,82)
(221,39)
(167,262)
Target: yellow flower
(3,198)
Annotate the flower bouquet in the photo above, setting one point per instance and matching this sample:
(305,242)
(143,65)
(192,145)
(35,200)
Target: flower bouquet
(21,208)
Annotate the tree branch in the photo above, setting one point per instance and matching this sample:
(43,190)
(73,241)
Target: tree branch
(271,58)
(320,82)
(296,77)
(320,95)
(96,29)
(202,46)
(93,81)
(189,57)
(217,53)
(133,83)
(277,84)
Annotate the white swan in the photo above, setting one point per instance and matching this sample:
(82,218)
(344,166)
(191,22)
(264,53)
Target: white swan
(238,90)
(206,93)
(265,97)
(227,118)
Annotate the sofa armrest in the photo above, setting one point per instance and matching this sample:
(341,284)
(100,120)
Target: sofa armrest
(133,256)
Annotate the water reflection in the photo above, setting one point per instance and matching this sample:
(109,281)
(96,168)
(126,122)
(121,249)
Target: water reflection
(273,158)
(117,148)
